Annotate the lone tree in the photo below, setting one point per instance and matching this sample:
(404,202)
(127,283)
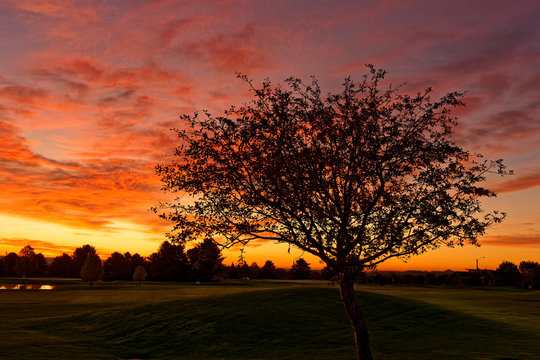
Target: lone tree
(354,178)
(206,260)
(300,270)
(92,269)
(139,274)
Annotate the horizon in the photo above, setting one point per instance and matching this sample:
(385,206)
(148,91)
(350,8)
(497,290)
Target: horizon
(87,99)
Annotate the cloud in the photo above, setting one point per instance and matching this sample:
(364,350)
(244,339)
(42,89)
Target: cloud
(57,8)
(520,183)
(22,95)
(40,246)
(88,193)
(512,241)
(230,53)
(47,248)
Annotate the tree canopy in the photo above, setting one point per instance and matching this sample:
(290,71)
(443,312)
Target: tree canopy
(354,178)
(92,269)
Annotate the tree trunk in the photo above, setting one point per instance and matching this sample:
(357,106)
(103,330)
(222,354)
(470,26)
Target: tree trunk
(357,318)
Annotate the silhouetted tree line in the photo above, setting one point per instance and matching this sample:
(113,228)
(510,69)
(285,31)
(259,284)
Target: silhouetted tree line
(171,262)
(204,262)
(526,275)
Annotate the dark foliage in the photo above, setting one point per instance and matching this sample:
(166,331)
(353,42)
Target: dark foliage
(79,257)
(300,270)
(233,273)
(62,266)
(530,271)
(508,274)
(169,263)
(11,261)
(268,271)
(92,269)
(117,267)
(139,274)
(206,260)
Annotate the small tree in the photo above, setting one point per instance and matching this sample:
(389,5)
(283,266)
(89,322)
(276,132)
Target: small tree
(301,270)
(79,257)
(354,178)
(139,274)
(61,266)
(530,271)
(268,271)
(206,259)
(169,263)
(26,258)
(117,267)
(12,262)
(508,274)
(92,269)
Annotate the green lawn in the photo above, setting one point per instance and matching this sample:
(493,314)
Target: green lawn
(265,320)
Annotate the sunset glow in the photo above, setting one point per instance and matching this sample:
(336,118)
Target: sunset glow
(90,90)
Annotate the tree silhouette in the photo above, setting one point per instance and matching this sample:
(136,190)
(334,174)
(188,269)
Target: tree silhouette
(139,274)
(79,257)
(11,260)
(169,263)
(117,267)
(531,274)
(508,274)
(268,271)
(300,270)
(135,261)
(62,266)
(92,269)
(206,260)
(354,178)
(26,258)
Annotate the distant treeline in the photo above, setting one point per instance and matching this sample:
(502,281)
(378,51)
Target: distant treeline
(526,275)
(204,262)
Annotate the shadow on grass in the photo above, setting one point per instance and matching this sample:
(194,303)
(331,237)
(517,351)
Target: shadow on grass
(295,323)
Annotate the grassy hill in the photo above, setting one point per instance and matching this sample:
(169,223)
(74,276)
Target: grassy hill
(265,320)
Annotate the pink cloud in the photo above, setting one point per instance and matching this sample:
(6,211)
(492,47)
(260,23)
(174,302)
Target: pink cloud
(513,241)
(520,183)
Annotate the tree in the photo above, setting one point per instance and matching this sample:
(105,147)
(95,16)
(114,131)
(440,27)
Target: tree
(139,274)
(169,263)
(268,271)
(62,266)
(11,260)
(508,274)
(354,178)
(26,258)
(300,270)
(134,261)
(79,257)
(327,273)
(530,271)
(92,269)
(206,259)
(117,267)
(39,265)
(254,271)
(233,272)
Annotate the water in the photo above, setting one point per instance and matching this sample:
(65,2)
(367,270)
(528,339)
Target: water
(8,286)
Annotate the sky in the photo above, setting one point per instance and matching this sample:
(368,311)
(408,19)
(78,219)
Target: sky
(89,91)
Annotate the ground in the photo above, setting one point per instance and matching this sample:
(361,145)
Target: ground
(265,320)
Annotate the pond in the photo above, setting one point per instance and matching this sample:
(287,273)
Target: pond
(14,286)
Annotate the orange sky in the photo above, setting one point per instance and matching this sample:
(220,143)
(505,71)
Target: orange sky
(89,91)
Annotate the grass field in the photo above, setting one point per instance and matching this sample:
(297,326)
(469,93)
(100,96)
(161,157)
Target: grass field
(265,320)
